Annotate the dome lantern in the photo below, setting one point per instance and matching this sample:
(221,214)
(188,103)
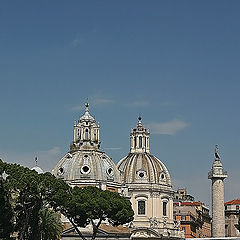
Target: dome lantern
(86,133)
(139,138)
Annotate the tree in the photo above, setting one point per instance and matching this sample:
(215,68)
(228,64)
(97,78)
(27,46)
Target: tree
(28,193)
(6,214)
(50,224)
(31,195)
(91,205)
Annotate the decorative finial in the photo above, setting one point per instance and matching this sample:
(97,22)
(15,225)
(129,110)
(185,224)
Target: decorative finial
(139,117)
(36,161)
(217,156)
(86,105)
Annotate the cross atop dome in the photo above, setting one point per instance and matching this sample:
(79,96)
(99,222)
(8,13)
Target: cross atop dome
(87,116)
(86,105)
(139,120)
(36,167)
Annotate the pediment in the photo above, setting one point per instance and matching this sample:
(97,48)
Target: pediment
(144,233)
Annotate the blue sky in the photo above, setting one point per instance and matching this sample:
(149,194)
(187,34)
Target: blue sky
(175,62)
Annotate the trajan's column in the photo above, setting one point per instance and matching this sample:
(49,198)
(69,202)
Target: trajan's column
(217,175)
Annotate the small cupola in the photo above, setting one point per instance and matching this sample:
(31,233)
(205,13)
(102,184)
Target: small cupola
(139,138)
(86,133)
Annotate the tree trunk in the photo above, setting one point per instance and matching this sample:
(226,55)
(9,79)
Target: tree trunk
(76,228)
(95,228)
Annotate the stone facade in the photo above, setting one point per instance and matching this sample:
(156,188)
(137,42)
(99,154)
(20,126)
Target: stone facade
(139,176)
(181,195)
(194,219)
(231,217)
(148,185)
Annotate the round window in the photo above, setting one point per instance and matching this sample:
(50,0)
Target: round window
(110,171)
(141,174)
(162,176)
(60,171)
(85,169)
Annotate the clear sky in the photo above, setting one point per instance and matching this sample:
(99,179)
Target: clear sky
(175,62)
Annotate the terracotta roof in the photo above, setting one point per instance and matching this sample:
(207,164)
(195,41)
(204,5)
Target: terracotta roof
(111,229)
(233,202)
(103,229)
(187,203)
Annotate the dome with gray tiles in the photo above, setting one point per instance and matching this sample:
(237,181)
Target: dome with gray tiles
(139,166)
(85,163)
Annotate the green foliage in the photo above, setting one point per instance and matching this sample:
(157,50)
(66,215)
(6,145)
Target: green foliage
(92,205)
(31,194)
(50,225)
(6,214)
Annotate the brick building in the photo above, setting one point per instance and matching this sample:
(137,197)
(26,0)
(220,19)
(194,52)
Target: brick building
(193,217)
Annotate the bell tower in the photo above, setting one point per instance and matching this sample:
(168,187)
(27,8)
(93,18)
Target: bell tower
(86,132)
(217,175)
(139,138)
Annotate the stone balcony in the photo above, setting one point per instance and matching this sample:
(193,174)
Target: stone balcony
(213,174)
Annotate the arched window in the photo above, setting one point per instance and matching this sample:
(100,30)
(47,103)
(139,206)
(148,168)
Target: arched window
(164,208)
(140,142)
(86,134)
(95,137)
(141,207)
(135,142)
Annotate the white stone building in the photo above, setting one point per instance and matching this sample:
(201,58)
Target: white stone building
(231,218)
(85,164)
(139,176)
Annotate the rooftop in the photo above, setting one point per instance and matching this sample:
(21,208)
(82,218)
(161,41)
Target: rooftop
(233,202)
(187,203)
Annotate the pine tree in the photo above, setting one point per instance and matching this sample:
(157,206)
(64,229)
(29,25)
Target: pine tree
(6,214)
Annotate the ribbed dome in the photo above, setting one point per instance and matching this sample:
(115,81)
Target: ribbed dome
(139,166)
(143,168)
(37,169)
(90,165)
(85,162)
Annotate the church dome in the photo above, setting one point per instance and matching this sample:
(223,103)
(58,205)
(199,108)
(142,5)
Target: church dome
(88,165)
(139,166)
(143,168)
(37,169)
(85,162)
